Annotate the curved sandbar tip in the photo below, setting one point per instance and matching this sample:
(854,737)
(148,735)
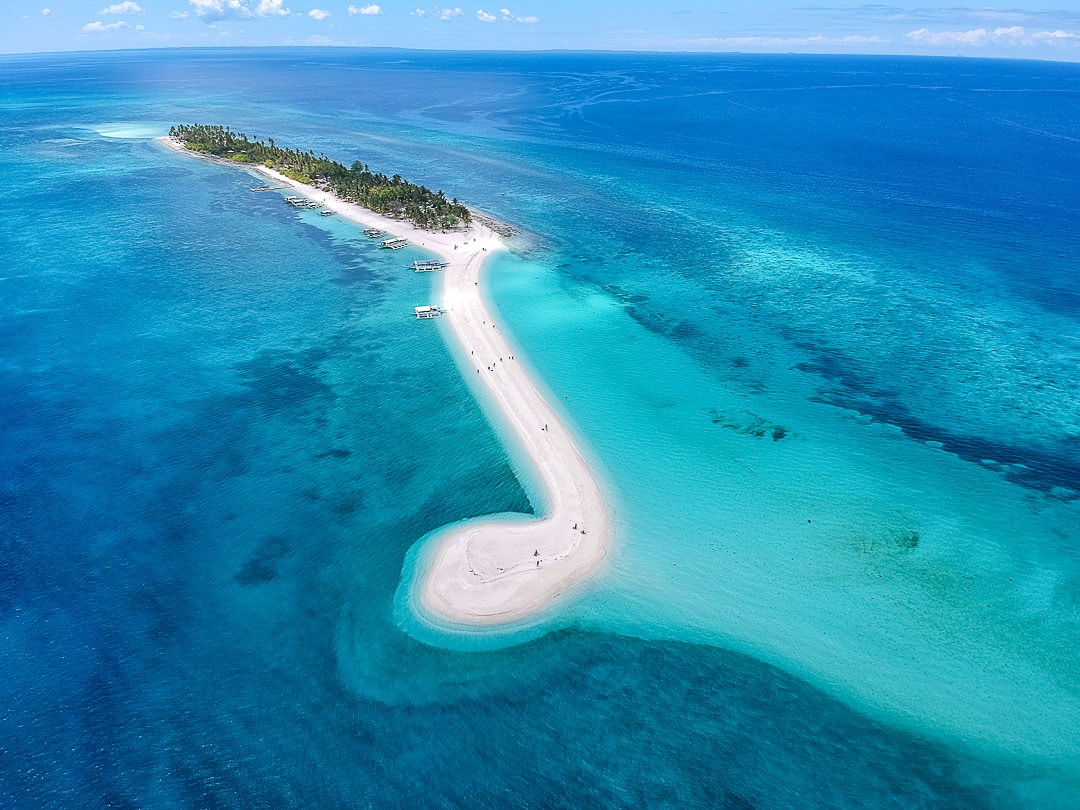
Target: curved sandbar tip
(490,573)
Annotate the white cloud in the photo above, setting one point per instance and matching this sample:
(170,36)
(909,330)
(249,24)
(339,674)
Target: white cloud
(976,38)
(447,13)
(211,10)
(272,8)
(178,15)
(127,7)
(418,13)
(140,27)
(508,16)
(1055,36)
(483,16)
(367,11)
(46,12)
(318,14)
(99,26)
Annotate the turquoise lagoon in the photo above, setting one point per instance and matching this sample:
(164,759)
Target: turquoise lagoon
(815,319)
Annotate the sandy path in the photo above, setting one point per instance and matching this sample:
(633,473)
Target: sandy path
(485,571)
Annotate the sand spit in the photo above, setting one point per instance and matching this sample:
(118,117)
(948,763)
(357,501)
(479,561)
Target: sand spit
(487,572)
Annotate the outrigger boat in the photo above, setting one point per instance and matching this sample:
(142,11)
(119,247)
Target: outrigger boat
(425,312)
(326,213)
(427,267)
(302,202)
(397,243)
(374,233)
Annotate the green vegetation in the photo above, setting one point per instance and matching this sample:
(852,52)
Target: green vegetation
(391,196)
(293,174)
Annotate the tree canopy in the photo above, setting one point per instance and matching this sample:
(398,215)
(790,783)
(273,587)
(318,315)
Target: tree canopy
(391,196)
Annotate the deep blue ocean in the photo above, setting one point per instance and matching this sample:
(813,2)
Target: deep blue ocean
(817,320)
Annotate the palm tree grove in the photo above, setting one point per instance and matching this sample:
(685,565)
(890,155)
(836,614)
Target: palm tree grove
(391,196)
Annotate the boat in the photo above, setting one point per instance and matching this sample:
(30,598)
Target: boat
(374,233)
(268,188)
(425,312)
(427,267)
(397,243)
(326,213)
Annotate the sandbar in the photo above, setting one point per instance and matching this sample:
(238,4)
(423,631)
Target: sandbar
(488,572)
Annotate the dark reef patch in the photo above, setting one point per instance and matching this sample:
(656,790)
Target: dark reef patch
(335,452)
(280,382)
(749,424)
(262,566)
(1052,473)
(661,324)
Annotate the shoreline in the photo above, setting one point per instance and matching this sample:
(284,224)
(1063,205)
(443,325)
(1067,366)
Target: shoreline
(483,572)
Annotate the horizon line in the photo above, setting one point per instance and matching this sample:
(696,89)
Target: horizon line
(538,51)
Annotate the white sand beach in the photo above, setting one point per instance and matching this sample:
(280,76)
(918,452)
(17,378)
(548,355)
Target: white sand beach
(487,572)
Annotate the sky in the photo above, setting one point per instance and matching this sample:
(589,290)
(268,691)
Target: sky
(1016,28)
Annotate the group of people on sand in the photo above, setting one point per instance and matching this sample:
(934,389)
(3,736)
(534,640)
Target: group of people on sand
(492,366)
(537,552)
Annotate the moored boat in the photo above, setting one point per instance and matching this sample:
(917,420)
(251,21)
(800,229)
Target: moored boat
(428,266)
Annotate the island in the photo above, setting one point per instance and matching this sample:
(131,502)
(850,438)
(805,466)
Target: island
(487,573)
(391,196)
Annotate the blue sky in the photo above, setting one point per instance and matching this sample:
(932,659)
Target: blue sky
(1021,28)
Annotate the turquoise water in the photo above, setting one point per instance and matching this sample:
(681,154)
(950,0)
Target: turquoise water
(821,348)
(775,531)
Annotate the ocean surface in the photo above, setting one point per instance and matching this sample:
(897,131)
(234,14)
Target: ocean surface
(815,319)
